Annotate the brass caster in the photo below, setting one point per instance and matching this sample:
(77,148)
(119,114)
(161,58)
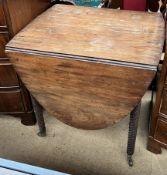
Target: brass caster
(130,160)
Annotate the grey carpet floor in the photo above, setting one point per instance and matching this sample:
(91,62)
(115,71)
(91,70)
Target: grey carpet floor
(81,152)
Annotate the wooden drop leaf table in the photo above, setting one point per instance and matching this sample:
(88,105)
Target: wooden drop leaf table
(89,67)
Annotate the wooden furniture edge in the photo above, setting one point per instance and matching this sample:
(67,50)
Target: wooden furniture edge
(154,145)
(80,58)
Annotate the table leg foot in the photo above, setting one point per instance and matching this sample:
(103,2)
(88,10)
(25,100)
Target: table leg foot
(130,160)
(42,134)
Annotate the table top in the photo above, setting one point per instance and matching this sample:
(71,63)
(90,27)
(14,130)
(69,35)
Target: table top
(101,34)
(81,63)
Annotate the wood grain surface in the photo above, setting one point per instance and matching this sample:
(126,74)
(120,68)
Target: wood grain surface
(101,33)
(82,94)
(88,86)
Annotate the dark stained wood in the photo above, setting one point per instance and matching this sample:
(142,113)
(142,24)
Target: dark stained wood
(4,38)
(161,131)
(133,125)
(14,15)
(2,16)
(158,123)
(10,79)
(81,76)
(166,82)
(163,107)
(159,92)
(154,146)
(26,98)
(40,120)
(26,118)
(10,101)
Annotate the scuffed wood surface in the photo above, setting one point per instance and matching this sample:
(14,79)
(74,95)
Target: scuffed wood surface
(102,33)
(84,94)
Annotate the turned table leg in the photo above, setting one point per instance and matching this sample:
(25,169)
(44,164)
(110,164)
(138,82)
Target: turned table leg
(39,117)
(133,124)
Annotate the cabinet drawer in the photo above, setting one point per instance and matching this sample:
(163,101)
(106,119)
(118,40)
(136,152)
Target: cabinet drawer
(161,132)
(2,15)
(163,107)
(8,76)
(4,38)
(11,101)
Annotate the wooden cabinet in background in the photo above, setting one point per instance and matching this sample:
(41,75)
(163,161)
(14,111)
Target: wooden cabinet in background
(14,15)
(158,123)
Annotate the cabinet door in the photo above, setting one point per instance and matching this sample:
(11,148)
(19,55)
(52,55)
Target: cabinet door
(8,76)
(161,131)
(11,101)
